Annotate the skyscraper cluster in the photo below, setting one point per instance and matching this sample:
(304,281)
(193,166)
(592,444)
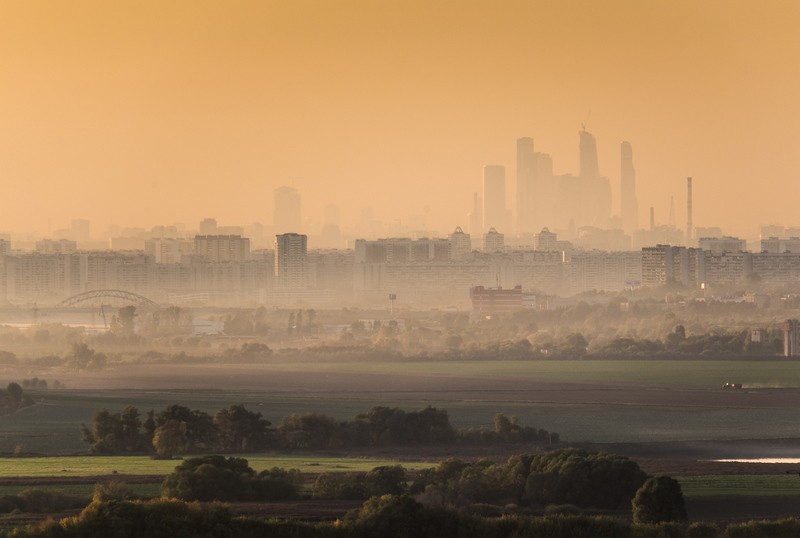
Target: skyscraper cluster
(560,201)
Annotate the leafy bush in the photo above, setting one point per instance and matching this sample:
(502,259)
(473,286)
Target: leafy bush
(659,499)
(217,478)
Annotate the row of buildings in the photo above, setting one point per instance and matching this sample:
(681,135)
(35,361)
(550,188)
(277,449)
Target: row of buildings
(221,269)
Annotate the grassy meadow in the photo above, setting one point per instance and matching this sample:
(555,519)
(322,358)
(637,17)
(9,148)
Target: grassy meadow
(82,466)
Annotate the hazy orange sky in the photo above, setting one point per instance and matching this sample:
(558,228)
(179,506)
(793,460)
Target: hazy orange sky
(150,112)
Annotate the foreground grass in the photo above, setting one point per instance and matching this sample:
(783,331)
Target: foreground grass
(755,485)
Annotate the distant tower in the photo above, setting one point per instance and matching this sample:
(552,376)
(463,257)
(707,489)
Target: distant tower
(208,226)
(476,215)
(689,226)
(588,155)
(629,206)
(526,164)
(652,218)
(494,196)
(672,211)
(287,216)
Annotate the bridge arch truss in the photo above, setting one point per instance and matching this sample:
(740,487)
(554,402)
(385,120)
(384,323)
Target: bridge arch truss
(122,295)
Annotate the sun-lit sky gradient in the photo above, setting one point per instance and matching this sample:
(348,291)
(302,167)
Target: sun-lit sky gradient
(150,112)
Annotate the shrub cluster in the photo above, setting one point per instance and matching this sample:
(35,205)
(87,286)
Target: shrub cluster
(388,516)
(217,478)
(560,477)
(39,501)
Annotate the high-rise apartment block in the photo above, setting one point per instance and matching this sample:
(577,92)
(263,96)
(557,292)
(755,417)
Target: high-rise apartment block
(170,250)
(493,241)
(291,260)
(664,264)
(718,245)
(460,245)
(222,248)
(774,245)
(58,246)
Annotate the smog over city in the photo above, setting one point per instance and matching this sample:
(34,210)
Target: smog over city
(360,268)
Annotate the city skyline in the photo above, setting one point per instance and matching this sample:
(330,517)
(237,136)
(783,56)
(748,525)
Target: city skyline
(137,114)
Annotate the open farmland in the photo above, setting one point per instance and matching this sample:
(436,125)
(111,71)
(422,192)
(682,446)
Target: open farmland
(90,466)
(647,401)
(735,484)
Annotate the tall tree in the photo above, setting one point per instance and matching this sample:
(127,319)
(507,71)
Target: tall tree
(170,438)
(240,429)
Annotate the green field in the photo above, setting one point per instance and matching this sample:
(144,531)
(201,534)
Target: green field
(757,485)
(777,373)
(80,466)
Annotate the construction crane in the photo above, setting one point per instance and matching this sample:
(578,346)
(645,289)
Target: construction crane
(586,120)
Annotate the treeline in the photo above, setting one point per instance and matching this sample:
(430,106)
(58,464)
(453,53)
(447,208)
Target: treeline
(178,430)
(80,357)
(675,345)
(39,501)
(417,343)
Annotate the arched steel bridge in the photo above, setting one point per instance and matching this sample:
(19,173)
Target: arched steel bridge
(128,296)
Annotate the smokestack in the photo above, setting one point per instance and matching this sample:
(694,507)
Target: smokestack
(689,228)
(652,218)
